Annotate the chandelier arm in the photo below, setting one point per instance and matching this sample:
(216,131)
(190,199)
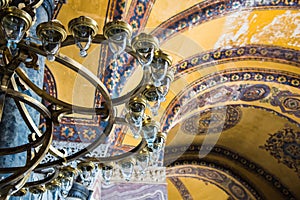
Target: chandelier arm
(8,191)
(10,170)
(98,39)
(125,98)
(80,69)
(78,154)
(76,67)
(10,181)
(130,153)
(21,148)
(29,121)
(135,150)
(30,101)
(49,178)
(82,152)
(2,102)
(35,4)
(102,111)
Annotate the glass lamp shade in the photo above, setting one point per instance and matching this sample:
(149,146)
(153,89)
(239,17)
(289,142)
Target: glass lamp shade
(107,173)
(15,23)
(66,185)
(135,127)
(86,169)
(85,173)
(117,47)
(143,159)
(37,191)
(159,141)
(14,28)
(54,188)
(150,129)
(127,166)
(136,112)
(159,67)
(158,71)
(136,109)
(86,176)
(166,84)
(152,93)
(145,45)
(66,178)
(83,29)
(149,133)
(118,33)
(52,34)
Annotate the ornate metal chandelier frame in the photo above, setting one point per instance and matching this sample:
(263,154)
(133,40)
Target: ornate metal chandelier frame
(117,34)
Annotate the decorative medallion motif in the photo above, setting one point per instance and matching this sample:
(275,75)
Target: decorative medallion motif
(220,94)
(89,134)
(254,92)
(238,191)
(213,120)
(284,145)
(67,132)
(287,101)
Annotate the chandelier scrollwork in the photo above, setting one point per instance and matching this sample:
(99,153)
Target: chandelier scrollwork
(57,176)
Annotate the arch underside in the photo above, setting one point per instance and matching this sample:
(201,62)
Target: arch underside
(235,94)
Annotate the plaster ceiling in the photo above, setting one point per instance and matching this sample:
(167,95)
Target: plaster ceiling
(236,91)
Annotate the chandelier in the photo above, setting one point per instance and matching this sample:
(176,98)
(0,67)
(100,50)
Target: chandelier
(142,103)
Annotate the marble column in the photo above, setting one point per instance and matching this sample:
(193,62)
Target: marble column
(13,130)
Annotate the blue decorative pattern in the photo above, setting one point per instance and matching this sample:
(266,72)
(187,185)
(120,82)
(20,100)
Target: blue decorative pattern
(235,157)
(212,9)
(180,187)
(287,101)
(212,173)
(222,77)
(254,92)
(284,146)
(212,120)
(248,52)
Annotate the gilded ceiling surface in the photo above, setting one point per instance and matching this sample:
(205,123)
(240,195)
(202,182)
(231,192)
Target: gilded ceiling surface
(233,112)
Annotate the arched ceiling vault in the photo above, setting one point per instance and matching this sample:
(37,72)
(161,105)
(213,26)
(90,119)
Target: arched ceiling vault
(233,109)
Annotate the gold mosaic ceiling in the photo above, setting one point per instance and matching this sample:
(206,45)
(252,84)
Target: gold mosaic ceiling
(236,91)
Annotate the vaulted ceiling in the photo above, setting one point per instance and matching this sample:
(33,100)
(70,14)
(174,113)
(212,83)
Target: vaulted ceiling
(233,111)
